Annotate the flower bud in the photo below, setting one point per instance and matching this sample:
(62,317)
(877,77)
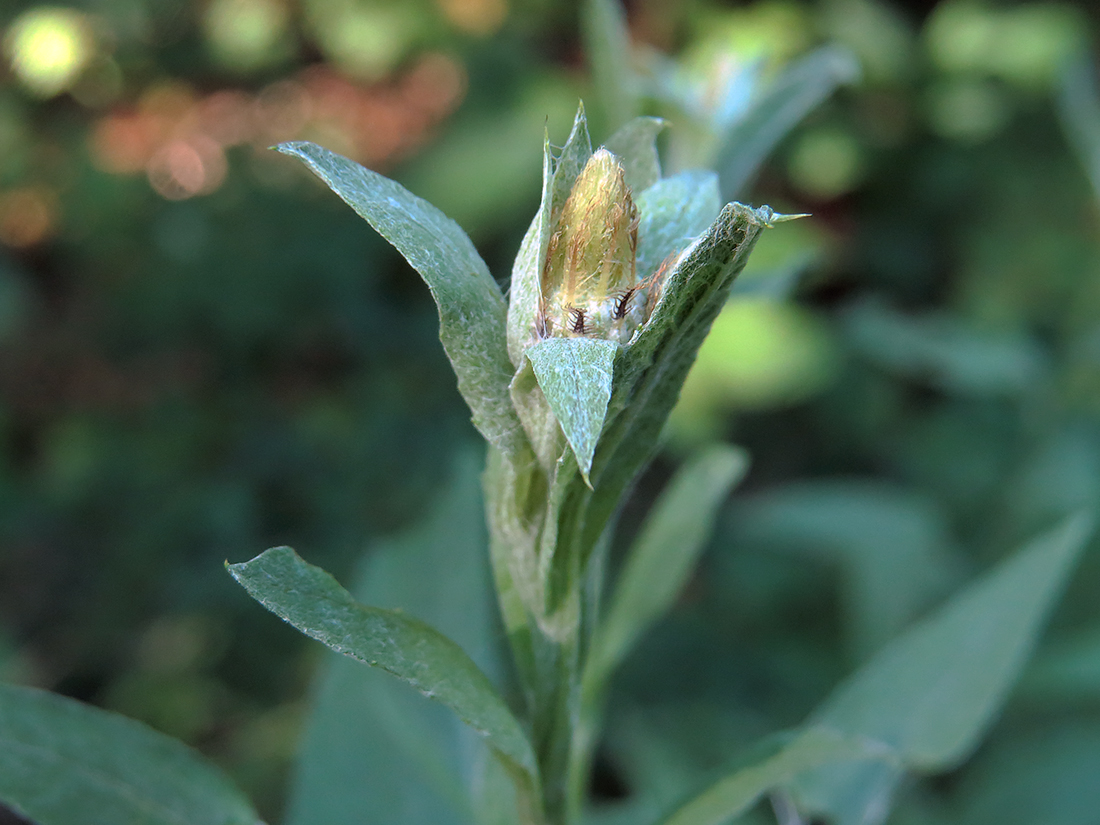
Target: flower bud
(589,280)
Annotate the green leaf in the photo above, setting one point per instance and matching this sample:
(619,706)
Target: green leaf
(939,350)
(663,556)
(311,600)
(575,376)
(471,307)
(930,695)
(736,793)
(66,763)
(526,286)
(635,144)
(849,522)
(673,213)
(790,97)
(374,751)
(607,42)
(1079,109)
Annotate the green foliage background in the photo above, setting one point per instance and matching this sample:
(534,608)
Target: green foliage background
(195,368)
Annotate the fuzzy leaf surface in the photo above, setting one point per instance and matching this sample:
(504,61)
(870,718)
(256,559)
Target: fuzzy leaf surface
(66,763)
(471,307)
(575,376)
(673,213)
(311,600)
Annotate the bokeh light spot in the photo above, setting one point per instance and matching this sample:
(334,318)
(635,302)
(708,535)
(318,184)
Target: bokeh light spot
(185,168)
(247,34)
(826,162)
(28,216)
(48,47)
(480,17)
(759,354)
(967,110)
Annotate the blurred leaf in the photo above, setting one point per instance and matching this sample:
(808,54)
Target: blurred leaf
(784,102)
(375,752)
(1046,776)
(66,763)
(931,694)
(311,600)
(672,213)
(941,351)
(1066,670)
(739,791)
(635,144)
(607,42)
(893,546)
(471,307)
(1079,109)
(575,375)
(663,556)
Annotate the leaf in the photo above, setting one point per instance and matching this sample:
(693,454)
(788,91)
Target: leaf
(526,285)
(1079,110)
(374,751)
(663,556)
(674,212)
(939,350)
(311,600)
(471,307)
(891,544)
(790,97)
(931,694)
(575,376)
(66,763)
(735,794)
(607,42)
(1045,775)
(635,144)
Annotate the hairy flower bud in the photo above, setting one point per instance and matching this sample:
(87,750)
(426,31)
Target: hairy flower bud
(589,280)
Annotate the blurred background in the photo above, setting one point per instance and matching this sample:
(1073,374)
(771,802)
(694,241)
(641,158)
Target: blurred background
(203,353)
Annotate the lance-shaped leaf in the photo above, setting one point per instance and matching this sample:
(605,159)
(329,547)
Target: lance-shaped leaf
(736,793)
(635,144)
(526,286)
(930,695)
(795,93)
(471,306)
(663,556)
(311,600)
(375,752)
(575,376)
(66,763)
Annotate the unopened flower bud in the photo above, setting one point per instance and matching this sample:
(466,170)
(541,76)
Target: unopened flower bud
(589,281)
